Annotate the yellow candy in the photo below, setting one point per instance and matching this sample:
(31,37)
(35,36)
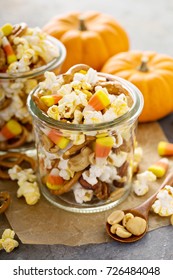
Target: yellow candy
(159,168)
(6,29)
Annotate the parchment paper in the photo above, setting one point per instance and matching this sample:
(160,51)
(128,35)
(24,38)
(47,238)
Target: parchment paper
(44,223)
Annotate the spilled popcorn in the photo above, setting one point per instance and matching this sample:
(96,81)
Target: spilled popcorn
(28,186)
(163,204)
(141,185)
(7,241)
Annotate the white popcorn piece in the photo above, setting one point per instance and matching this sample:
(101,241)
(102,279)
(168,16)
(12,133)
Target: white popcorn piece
(91,117)
(28,186)
(138,154)
(7,242)
(163,204)
(65,172)
(81,194)
(53,112)
(106,173)
(16,173)
(117,159)
(120,105)
(30,191)
(141,185)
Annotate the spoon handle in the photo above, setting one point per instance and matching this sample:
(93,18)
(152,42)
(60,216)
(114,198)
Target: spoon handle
(146,205)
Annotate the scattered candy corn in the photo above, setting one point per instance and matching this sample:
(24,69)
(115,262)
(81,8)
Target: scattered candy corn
(56,138)
(6,29)
(11,57)
(103,147)
(50,100)
(10,130)
(160,167)
(54,181)
(98,101)
(165,148)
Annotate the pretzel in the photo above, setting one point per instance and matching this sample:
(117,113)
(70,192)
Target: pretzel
(10,159)
(76,148)
(6,102)
(4,201)
(19,141)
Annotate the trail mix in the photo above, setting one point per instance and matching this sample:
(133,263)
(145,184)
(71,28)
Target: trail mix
(92,165)
(22,49)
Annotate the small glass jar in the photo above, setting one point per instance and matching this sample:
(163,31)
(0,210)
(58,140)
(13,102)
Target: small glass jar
(76,152)
(14,90)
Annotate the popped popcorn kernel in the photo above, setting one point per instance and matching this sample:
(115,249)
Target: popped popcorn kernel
(7,242)
(141,185)
(163,204)
(28,186)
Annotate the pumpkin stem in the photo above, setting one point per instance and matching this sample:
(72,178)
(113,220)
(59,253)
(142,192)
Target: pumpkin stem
(82,26)
(143,67)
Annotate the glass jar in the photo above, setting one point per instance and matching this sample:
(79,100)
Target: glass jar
(76,152)
(14,89)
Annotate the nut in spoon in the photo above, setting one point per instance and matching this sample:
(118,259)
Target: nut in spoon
(140,211)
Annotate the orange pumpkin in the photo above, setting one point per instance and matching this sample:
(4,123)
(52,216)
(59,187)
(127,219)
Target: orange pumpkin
(90,37)
(152,73)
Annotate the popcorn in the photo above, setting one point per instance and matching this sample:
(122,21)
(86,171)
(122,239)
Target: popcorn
(138,154)
(91,117)
(82,195)
(22,175)
(65,172)
(140,186)
(27,184)
(29,190)
(53,112)
(106,173)
(7,241)
(163,204)
(117,159)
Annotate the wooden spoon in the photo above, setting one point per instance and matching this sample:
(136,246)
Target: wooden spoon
(141,211)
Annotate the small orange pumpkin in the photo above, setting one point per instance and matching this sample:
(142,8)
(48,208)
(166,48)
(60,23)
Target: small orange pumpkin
(152,73)
(90,37)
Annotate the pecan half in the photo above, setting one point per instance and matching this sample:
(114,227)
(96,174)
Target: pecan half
(102,191)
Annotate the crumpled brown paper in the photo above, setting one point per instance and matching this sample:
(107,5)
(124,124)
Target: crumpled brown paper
(44,223)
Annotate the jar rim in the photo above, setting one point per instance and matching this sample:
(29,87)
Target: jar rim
(129,117)
(54,63)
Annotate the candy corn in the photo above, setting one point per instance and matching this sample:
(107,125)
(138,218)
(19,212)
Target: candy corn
(165,148)
(54,181)
(98,101)
(56,138)
(102,148)
(6,29)
(10,130)
(50,100)
(11,57)
(160,167)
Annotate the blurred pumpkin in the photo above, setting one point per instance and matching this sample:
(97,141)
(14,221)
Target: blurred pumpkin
(152,73)
(90,37)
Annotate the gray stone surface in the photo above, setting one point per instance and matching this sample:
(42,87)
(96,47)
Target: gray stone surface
(150,27)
